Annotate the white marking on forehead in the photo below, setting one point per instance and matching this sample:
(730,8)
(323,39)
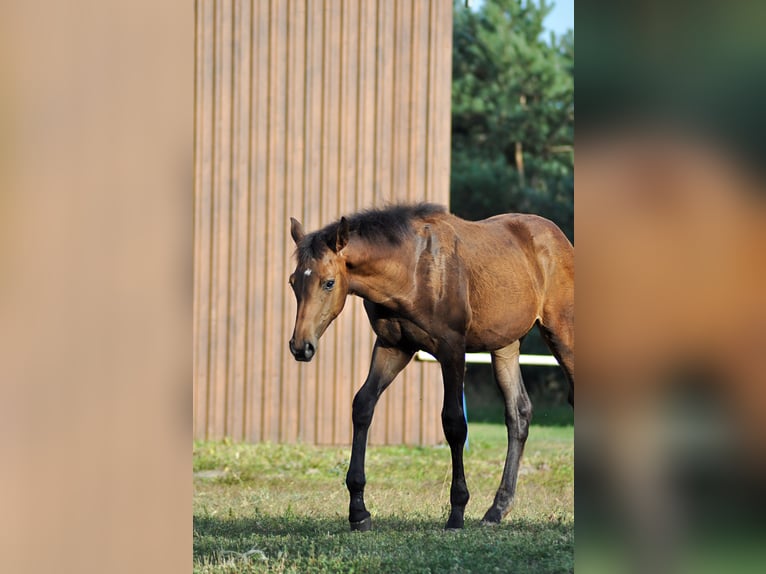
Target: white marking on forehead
(307,272)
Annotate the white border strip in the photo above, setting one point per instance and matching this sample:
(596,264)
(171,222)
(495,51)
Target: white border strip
(486,359)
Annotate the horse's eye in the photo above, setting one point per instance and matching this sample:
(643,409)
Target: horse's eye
(329,284)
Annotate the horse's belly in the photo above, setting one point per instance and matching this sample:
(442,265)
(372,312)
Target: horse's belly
(492,331)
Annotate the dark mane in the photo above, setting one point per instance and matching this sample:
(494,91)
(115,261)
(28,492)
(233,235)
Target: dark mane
(391,225)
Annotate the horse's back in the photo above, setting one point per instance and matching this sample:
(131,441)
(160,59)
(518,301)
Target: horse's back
(513,236)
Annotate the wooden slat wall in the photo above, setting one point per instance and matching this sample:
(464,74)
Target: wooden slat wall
(312,109)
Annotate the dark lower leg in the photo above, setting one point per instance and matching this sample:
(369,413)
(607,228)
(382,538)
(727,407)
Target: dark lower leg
(386,363)
(455,431)
(358,515)
(518,428)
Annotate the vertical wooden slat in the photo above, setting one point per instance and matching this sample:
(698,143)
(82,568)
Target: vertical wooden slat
(363,180)
(210,262)
(282,60)
(322,416)
(203,209)
(331,193)
(294,167)
(415,190)
(259,203)
(443,67)
(441,122)
(429,379)
(307,108)
(397,189)
(248,19)
(220,214)
(403,165)
(297,157)
(312,179)
(346,149)
(382,153)
(239,221)
(274,271)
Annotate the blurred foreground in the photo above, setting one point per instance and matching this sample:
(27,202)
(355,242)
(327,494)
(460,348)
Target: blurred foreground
(95,286)
(671,276)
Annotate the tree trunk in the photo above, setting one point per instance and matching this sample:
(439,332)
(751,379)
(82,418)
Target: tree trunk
(519,155)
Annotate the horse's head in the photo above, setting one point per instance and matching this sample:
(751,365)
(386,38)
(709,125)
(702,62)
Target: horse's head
(320,284)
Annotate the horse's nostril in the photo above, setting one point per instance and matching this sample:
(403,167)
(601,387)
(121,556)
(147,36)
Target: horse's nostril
(302,352)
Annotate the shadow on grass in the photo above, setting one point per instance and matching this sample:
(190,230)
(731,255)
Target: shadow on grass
(395,544)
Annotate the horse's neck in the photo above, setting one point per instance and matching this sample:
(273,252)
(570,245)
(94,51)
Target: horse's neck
(381,278)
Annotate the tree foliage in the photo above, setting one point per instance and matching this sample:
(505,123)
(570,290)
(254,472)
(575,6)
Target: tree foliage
(512,113)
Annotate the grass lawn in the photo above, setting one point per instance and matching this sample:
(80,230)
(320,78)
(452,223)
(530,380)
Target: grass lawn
(283,508)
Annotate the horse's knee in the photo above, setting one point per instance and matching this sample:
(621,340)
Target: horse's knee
(455,427)
(355,481)
(518,419)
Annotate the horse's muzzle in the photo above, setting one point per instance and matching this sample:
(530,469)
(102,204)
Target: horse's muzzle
(304,352)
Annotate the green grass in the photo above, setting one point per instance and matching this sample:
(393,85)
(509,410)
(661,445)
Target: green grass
(283,508)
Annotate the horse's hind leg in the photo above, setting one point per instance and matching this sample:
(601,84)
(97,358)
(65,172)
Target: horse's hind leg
(557,328)
(518,413)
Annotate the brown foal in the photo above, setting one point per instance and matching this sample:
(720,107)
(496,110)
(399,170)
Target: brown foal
(432,281)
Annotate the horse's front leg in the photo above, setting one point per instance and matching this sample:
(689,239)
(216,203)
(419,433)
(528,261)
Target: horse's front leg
(455,431)
(386,363)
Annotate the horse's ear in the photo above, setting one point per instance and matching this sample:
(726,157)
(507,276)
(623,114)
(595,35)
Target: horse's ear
(341,239)
(296,230)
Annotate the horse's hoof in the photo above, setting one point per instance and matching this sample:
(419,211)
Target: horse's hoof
(455,520)
(454,525)
(492,518)
(362,526)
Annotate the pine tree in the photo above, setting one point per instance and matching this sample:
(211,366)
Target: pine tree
(512,113)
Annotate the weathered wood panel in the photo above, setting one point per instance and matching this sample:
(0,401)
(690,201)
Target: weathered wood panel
(312,109)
